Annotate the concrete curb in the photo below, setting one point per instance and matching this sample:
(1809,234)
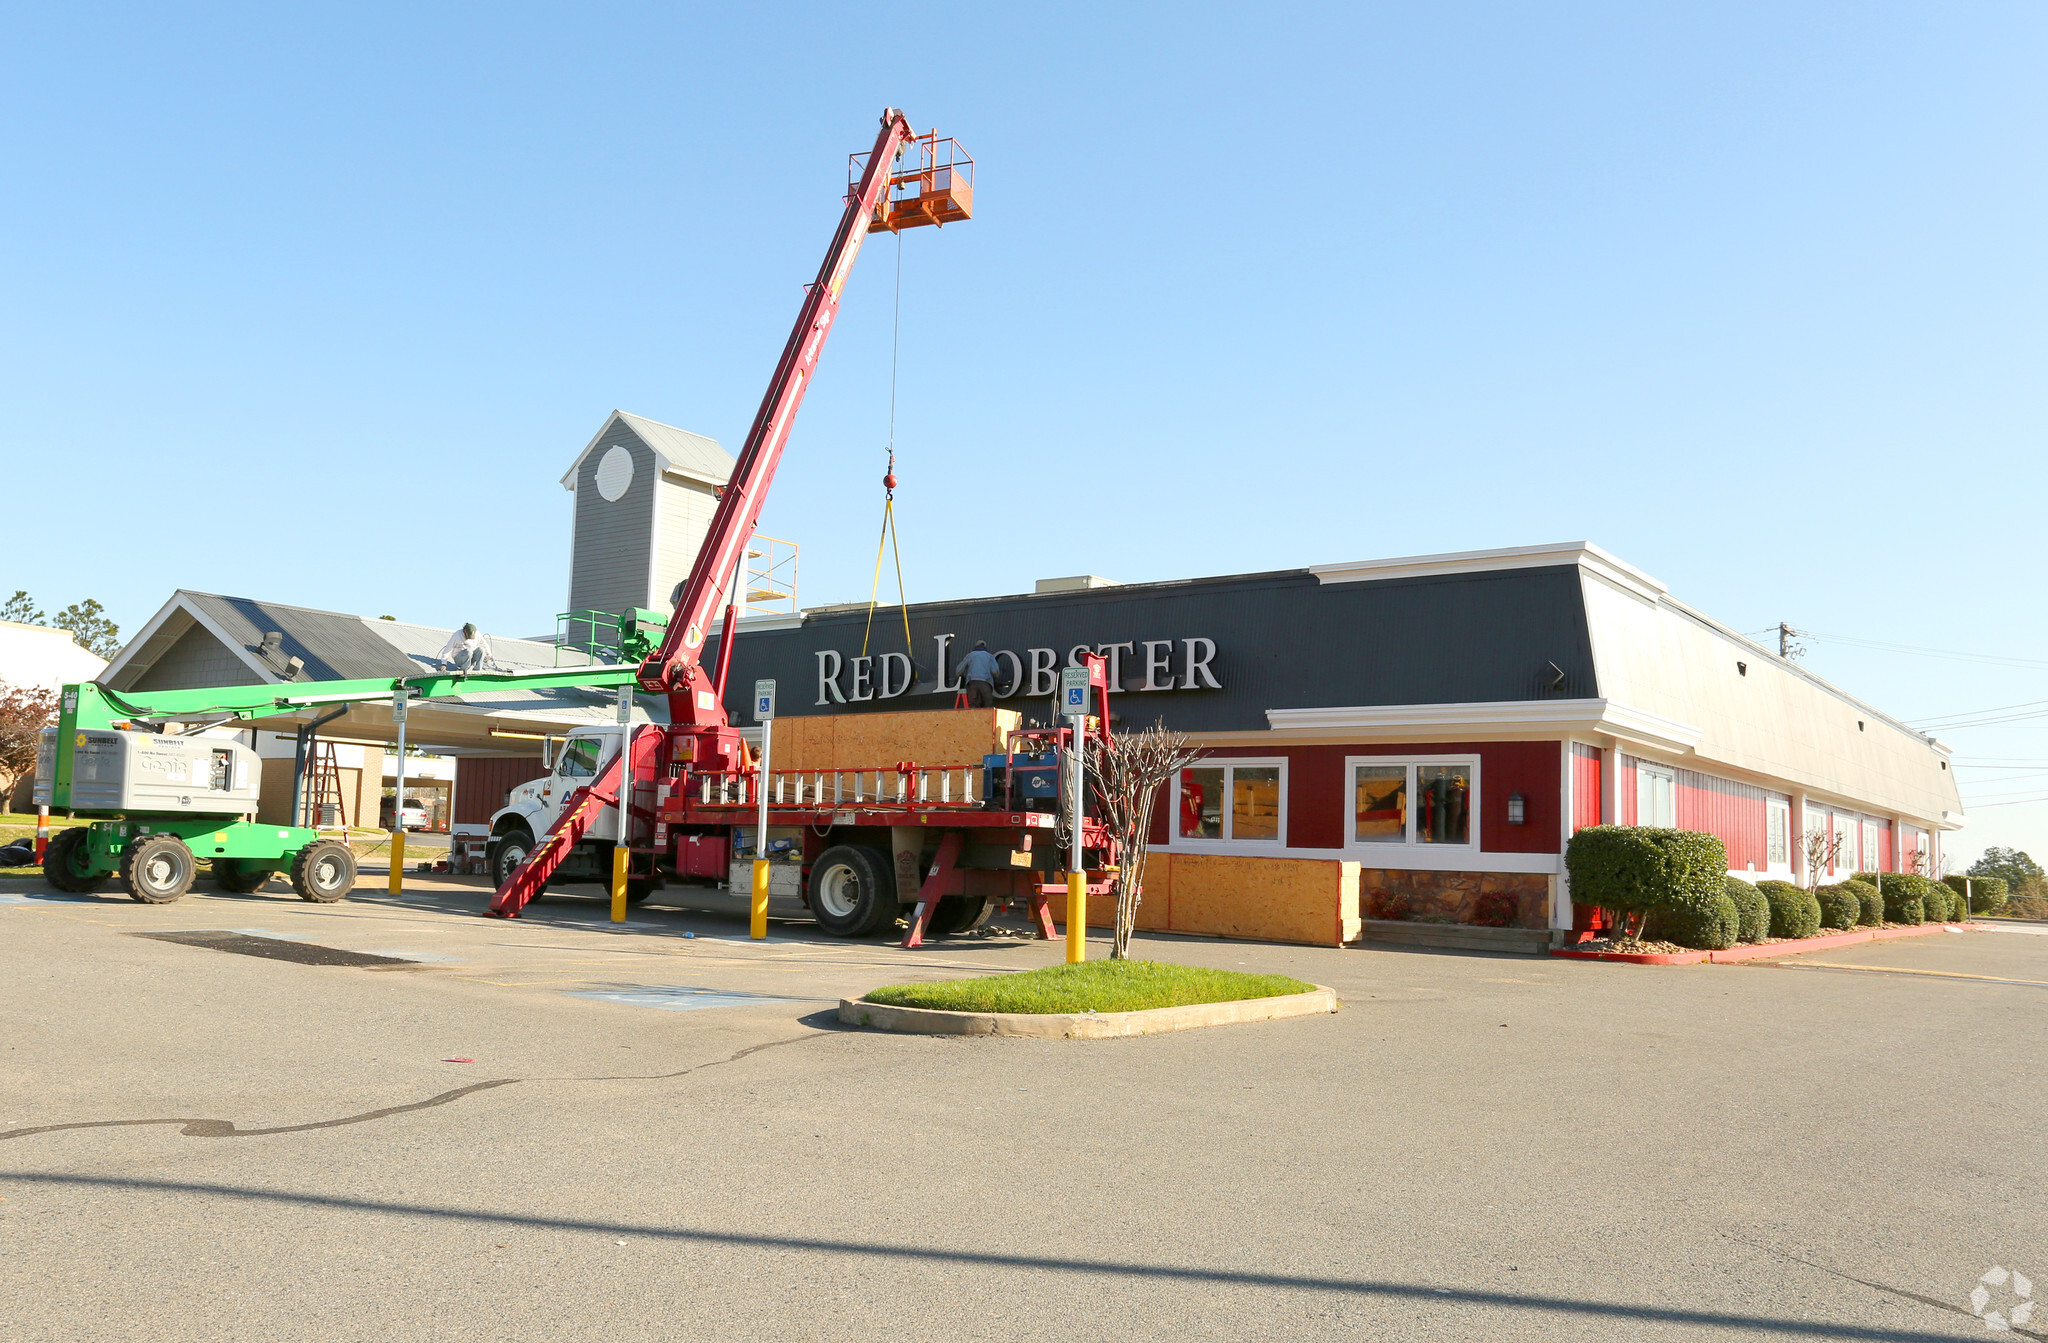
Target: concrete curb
(1083,1025)
(1762,950)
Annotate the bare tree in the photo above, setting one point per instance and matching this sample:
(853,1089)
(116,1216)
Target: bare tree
(1128,774)
(1822,849)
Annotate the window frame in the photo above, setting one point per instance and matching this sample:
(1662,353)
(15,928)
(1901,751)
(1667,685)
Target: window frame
(1774,809)
(1362,848)
(1229,765)
(1648,769)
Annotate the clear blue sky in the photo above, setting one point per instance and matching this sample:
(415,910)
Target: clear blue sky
(317,307)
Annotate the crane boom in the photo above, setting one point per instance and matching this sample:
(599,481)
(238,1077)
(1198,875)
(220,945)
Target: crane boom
(676,668)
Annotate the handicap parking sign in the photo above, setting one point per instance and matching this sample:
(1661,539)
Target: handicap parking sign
(764,700)
(1074,691)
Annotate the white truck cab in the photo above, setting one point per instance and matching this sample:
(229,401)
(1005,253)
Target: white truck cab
(533,806)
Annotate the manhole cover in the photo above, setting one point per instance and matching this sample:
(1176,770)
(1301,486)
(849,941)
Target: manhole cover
(272,949)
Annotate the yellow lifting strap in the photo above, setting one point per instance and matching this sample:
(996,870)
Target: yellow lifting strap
(888,542)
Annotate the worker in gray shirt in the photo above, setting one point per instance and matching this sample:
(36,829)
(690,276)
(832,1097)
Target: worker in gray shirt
(979,669)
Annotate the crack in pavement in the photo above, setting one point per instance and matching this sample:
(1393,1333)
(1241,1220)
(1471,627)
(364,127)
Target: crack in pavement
(1948,1306)
(227,1128)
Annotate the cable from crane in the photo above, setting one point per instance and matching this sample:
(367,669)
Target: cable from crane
(888,537)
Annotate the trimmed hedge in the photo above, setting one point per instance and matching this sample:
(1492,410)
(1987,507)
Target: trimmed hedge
(1629,869)
(1871,913)
(1710,924)
(1987,895)
(1840,907)
(1794,913)
(1752,911)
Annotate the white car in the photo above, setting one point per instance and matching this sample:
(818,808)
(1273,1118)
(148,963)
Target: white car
(416,817)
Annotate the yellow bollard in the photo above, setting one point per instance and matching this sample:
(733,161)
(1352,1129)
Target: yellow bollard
(757,926)
(397,860)
(619,854)
(1077,917)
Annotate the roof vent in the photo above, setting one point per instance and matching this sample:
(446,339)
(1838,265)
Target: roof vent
(1078,583)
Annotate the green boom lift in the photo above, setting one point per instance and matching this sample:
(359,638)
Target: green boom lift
(156,801)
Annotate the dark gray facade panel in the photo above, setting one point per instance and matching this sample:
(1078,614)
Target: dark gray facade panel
(1281,641)
(195,661)
(608,563)
(334,647)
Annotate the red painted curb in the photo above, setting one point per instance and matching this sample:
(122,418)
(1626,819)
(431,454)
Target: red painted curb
(1755,950)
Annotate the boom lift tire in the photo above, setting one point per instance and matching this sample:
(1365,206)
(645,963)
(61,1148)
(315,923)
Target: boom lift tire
(157,869)
(64,861)
(230,874)
(853,892)
(959,914)
(324,871)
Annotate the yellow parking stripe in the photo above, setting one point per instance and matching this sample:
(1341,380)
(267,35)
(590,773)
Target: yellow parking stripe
(1902,970)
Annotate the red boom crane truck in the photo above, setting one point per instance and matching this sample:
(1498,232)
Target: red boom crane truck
(881,843)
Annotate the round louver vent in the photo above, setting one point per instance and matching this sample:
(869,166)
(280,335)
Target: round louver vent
(614,473)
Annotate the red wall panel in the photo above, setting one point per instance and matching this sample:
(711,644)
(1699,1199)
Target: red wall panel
(481,782)
(1732,812)
(1585,786)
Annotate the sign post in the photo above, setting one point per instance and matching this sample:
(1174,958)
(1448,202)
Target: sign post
(397,882)
(1073,707)
(622,846)
(764,714)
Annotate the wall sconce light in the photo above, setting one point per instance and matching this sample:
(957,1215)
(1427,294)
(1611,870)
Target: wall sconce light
(1518,809)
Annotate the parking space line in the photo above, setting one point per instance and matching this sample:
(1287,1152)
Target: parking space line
(1902,970)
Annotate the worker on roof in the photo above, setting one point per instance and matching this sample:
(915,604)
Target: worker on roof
(979,669)
(466,650)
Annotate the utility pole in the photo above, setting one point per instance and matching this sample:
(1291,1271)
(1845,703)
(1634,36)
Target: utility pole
(1786,648)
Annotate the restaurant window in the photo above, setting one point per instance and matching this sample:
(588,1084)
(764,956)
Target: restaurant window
(1780,813)
(1232,800)
(1656,795)
(1414,802)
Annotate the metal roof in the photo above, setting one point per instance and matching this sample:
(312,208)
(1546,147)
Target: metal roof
(681,452)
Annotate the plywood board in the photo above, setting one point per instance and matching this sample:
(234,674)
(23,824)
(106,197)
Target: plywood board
(1309,900)
(868,741)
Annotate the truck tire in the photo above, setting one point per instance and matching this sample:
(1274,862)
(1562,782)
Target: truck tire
(64,863)
(507,851)
(231,874)
(324,871)
(853,892)
(959,914)
(157,869)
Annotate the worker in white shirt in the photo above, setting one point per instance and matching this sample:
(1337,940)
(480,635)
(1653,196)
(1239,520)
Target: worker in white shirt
(466,650)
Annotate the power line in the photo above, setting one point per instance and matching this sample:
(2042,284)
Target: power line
(1958,655)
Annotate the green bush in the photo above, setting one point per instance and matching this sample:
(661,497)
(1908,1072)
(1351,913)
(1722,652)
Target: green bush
(1871,911)
(1987,895)
(1794,913)
(1710,924)
(1752,911)
(1628,869)
(1934,897)
(1840,907)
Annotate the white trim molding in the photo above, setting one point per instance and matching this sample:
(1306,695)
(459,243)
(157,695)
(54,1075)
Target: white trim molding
(1562,715)
(1584,554)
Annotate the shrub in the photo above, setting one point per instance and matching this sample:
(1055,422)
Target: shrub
(1386,905)
(1752,911)
(1987,895)
(1794,913)
(1871,911)
(1840,907)
(1904,890)
(1712,923)
(1628,869)
(1496,909)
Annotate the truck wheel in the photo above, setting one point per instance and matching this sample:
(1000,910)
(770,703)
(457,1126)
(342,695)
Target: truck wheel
(64,863)
(639,888)
(157,869)
(853,893)
(231,874)
(959,914)
(324,871)
(507,852)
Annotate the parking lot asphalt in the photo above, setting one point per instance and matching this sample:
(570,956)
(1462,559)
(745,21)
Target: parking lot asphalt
(562,1128)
